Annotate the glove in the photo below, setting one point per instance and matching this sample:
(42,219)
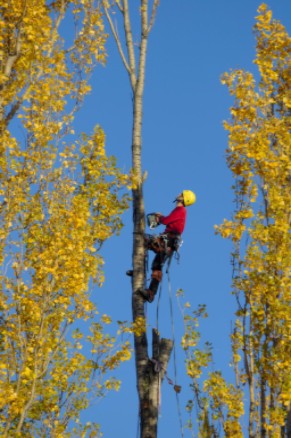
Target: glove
(158,215)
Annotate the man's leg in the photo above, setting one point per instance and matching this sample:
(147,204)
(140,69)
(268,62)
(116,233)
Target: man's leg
(157,266)
(152,243)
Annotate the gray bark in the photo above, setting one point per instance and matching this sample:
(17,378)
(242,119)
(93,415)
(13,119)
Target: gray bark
(151,385)
(150,372)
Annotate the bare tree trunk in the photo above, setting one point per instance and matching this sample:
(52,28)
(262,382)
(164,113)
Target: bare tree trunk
(288,422)
(150,385)
(150,372)
(249,367)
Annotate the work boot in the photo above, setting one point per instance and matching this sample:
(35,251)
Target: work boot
(154,286)
(147,294)
(155,281)
(129,272)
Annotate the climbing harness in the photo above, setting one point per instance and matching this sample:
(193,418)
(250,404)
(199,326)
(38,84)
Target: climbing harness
(164,246)
(162,242)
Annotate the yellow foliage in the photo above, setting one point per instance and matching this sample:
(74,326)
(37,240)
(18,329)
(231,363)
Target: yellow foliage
(138,326)
(60,199)
(259,157)
(226,402)
(217,401)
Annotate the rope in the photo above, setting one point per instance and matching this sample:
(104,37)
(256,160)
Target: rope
(158,365)
(138,424)
(176,387)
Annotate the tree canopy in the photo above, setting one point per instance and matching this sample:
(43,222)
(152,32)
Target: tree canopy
(258,156)
(61,199)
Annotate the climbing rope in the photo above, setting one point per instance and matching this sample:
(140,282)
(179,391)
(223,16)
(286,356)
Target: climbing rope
(138,423)
(177,388)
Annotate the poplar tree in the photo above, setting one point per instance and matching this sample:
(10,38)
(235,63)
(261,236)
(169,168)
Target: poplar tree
(258,156)
(133,54)
(60,200)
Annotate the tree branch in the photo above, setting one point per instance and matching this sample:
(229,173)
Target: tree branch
(153,14)
(129,43)
(116,37)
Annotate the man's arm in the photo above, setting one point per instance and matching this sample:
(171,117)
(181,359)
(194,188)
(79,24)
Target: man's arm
(165,220)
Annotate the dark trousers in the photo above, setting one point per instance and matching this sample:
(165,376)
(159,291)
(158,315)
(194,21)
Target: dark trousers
(164,246)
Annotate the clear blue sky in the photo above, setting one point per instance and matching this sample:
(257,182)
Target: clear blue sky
(192,43)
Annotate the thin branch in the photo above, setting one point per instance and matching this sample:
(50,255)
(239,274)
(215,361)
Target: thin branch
(116,37)
(119,6)
(13,111)
(26,407)
(153,14)
(13,57)
(143,46)
(129,43)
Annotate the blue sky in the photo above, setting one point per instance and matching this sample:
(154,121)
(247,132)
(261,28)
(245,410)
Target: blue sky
(192,44)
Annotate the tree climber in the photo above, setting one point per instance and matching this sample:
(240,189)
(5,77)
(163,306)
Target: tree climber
(166,243)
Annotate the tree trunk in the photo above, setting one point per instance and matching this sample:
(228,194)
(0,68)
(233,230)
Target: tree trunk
(150,372)
(150,385)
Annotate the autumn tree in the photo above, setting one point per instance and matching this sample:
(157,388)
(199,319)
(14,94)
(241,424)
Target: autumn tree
(133,54)
(258,156)
(60,199)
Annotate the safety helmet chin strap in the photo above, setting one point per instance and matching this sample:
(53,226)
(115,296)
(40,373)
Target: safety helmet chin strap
(179,199)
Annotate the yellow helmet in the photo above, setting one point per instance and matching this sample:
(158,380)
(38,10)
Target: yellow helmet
(189,197)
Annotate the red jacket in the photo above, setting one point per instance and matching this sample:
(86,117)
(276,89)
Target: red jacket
(175,222)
